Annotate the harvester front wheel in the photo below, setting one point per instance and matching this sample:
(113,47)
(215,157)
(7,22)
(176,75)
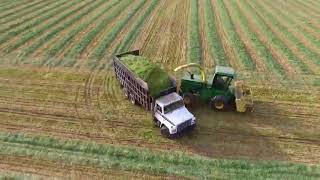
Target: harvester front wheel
(188,99)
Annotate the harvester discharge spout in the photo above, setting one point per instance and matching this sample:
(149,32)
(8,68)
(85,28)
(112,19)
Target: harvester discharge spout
(203,74)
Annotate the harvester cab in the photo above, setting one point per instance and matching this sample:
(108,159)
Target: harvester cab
(222,78)
(218,89)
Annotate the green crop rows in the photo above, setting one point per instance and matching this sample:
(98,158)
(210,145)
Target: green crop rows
(261,49)
(213,36)
(75,152)
(296,62)
(53,32)
(47,26)
(37,15)
(234,39)
(11,4)
(130,37)
(76,50)
(14,32)
(290,21)
(67,38)
(194,47)
(14,11)
(99,52)
(271,37)
(313,56)
(302,16)
(32,9)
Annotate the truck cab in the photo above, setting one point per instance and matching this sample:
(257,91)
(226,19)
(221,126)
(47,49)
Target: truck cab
(171,115)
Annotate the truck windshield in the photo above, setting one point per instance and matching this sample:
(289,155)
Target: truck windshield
(173,106)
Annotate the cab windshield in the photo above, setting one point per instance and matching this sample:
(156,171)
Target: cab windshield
(173,106)
(221,82)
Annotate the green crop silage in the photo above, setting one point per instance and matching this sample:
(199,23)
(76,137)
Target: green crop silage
(156,78)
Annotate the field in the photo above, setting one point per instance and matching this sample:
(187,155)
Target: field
(62,109)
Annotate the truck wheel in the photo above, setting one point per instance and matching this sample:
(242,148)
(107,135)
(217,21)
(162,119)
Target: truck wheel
(218,103)
(165,132)
(156,122)
(187,99)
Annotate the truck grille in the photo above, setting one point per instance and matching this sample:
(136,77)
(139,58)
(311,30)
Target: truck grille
(184,125)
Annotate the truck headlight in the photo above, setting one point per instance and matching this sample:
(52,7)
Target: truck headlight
(173,129)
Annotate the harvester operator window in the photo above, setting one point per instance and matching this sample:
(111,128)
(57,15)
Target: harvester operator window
(221,82)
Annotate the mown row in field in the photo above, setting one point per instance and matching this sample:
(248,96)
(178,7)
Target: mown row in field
(257,36)
(84,101)
(124,158)
(90,106)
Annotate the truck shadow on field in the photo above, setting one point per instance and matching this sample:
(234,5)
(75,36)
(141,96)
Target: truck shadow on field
(232,135)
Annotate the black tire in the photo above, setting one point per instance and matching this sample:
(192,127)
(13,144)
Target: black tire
(188,99)
(218,103)
(156,122)
(191,128)
(165,132)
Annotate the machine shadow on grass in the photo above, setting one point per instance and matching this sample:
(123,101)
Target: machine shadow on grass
(230,134)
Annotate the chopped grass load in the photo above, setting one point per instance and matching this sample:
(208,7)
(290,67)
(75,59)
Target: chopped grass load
(156,78)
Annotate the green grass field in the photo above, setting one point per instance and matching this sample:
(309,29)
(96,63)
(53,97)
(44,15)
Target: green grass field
(64,115)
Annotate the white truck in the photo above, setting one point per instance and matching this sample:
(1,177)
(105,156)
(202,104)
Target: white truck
(169,111)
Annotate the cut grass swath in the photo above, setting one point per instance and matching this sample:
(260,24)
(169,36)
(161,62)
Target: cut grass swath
(37,15)
(284,31)
(313,56)
(194,47)
(214,41)
(14,32)
(4,6)
(14,11)
(99,52)
(310,7)
(261,49)
(131,36)
(79,48)
(55,31)
(36,32)
(271,37)
(32,9)
(138,159)
(67,38)
(291,21)
(233,38)
(299,15)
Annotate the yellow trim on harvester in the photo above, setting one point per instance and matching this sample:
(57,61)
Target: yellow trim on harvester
(203,74)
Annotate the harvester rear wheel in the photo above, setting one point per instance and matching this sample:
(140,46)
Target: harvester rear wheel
(218,103)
